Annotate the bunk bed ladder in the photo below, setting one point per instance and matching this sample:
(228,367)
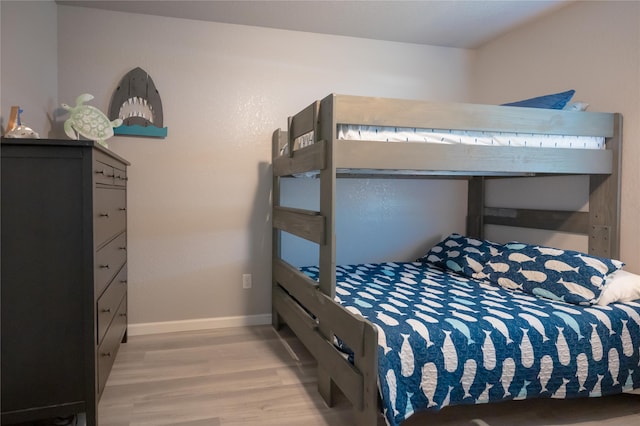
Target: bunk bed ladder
(321,318)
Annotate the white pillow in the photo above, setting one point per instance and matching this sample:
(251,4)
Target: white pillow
(576,106)
(622,286)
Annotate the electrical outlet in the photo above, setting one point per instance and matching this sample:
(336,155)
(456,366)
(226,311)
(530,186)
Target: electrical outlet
(246,280)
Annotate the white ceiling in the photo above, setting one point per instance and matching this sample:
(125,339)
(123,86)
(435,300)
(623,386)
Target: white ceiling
(449,23)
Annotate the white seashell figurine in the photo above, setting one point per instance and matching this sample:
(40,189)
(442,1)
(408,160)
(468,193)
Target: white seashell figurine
(19,131)
(88,121)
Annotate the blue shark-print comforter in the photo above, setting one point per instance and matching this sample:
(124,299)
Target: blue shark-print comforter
(445,339)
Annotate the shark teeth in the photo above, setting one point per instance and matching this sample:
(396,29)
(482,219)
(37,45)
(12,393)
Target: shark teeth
(136,107)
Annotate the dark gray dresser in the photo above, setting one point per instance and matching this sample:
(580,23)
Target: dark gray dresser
(63,275)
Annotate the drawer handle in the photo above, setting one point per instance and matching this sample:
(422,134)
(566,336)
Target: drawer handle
(123,281)
(122,209)
(101,172)
(106,354)
(124,314)
(123,248)
(106,310)
(104,214)
(104,266)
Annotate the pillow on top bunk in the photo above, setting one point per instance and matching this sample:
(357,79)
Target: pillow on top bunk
(554,101)
(576,106)
(461,254)
(564,275)
(621,286)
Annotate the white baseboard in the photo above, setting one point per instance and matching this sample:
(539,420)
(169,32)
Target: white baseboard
(196,324)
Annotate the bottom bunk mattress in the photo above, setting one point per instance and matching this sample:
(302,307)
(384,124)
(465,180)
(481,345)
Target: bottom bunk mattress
(444,339)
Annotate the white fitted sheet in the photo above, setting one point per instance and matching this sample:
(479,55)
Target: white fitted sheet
(401,134)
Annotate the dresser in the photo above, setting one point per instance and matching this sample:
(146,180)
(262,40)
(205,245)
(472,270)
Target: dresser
(63,275)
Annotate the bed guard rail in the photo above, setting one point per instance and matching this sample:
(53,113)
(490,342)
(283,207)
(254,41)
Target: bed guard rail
(312,157)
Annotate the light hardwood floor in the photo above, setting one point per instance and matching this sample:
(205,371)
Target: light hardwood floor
(254,376)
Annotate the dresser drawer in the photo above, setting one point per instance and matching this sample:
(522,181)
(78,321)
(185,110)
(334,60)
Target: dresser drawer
(108,261)
(120,279)
(108,304)
(110,214)
(103,173)
(110,344)
(119,177)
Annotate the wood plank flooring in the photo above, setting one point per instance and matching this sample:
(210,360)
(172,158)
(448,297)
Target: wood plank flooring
(254,376)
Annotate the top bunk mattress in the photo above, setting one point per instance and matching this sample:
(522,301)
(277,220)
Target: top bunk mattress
(401,134)
(462,137)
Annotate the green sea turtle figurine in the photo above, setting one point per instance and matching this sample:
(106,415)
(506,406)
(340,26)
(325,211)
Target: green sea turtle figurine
(88,121)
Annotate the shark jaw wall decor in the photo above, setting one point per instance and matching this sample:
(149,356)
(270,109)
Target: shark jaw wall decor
(137,103)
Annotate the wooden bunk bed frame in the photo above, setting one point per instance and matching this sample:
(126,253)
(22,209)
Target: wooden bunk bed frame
(308,307)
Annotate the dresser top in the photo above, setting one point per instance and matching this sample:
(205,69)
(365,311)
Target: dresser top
(62,142)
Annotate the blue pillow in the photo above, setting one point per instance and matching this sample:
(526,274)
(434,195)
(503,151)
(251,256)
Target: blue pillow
(461,254)
(554,101)
(563,275)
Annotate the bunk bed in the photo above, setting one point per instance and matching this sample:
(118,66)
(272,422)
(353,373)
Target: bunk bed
(344,326)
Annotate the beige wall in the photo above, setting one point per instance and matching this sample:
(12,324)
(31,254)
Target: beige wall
(199,200)
(29,70)
(594,48)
